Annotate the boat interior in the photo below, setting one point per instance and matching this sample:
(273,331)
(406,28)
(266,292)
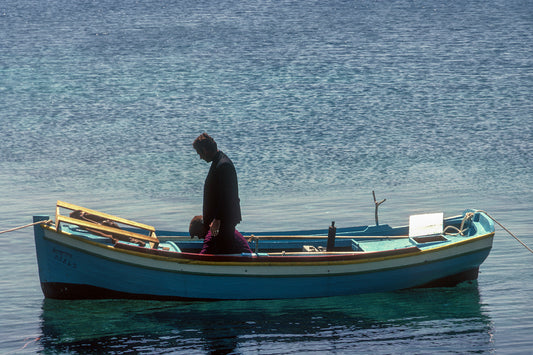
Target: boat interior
(115,231)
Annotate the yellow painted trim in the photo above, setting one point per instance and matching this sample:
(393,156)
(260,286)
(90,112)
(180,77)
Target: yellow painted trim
(341,262)
(106,229)
(100,245)
(461,242)
(277,263)
(78,238)
(121,220)
(276,237)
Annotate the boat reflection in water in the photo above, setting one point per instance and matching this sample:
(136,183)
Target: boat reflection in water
(403,321)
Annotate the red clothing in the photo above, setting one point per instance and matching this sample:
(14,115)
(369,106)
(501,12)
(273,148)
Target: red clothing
(240,245)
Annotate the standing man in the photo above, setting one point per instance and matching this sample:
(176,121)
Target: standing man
(221,209)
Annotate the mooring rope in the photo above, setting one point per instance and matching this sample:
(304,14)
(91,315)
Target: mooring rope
(26,226)
(508,231)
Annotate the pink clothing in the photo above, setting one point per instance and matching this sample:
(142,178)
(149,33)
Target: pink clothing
(240,245)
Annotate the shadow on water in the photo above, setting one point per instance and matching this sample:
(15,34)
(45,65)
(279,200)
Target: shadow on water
(448,318)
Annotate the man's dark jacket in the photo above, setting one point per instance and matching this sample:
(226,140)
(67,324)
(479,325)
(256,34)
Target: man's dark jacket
(221,192)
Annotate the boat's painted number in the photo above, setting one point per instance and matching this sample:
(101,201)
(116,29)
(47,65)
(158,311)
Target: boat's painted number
(64,258)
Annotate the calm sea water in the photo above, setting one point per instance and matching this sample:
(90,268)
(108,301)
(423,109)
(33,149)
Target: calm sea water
(318,103)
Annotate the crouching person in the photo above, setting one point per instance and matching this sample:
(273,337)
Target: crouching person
(211,243)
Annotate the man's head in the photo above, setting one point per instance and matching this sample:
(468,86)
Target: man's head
(206,147)
(197,227)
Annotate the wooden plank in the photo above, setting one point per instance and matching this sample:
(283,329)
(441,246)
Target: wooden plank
(297,237)
(358,254)
(106,229)
(121,220)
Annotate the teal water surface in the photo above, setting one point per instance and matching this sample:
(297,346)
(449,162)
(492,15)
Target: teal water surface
(428,103)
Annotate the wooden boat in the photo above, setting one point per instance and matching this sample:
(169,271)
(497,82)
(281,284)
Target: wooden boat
(80,259)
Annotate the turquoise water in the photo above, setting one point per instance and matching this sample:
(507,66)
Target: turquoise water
(318,104)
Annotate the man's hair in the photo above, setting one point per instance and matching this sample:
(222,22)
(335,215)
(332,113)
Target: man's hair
(197,227)
(206,142)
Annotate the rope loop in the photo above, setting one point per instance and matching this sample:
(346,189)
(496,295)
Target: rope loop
(468,216)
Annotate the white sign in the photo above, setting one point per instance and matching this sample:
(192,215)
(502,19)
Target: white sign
(425,224)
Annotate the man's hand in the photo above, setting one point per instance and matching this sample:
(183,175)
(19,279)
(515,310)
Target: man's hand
(215,227)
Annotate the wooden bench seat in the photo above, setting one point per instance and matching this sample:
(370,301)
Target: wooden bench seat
(104,230)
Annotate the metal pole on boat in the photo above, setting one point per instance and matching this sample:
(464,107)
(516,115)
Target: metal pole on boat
(376,203)
(332,231)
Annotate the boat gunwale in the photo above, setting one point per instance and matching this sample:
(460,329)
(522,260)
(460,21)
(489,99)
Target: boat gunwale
(326,258)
